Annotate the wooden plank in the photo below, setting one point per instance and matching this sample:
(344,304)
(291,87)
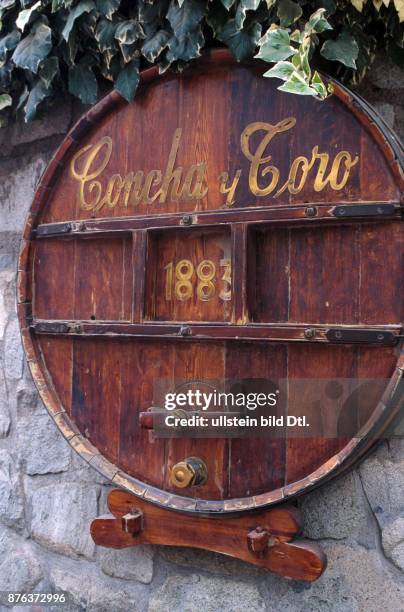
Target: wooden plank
(274,332)
(257,464)
(96,392)
(279,215)
(146,364)
(382,265)
(272,274)
(100,279)
(239,272)
(203,364)
(53,289)
(319,402)
(324,275)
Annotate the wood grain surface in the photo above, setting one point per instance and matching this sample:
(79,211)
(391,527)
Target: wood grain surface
(162,224)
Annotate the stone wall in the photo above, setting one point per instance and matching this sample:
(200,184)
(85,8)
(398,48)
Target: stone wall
(48,495)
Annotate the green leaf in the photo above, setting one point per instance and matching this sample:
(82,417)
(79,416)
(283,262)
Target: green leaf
(288,12)
(25,15)
(242,43)
(185,48)
(186,18)
(296,36)
(9,42)
(49,69)
(83,84)
(85,6)
(227,3)
(129,32)
(32,49)
(128,80)
(5,100)
(38,93)
(318,85)
(297,85)
(344,49)
(318,23)
(250,5)
(108,7)
(281,70)
(155,45)
(275,46)
(105,35)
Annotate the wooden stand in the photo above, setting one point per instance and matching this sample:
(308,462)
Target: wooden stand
(265,538)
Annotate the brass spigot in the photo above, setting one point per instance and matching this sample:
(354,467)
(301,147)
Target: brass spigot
(190,472)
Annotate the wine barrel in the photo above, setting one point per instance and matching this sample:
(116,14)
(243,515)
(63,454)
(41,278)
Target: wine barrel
(216,229)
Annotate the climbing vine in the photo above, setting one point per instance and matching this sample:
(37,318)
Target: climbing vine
(53,46)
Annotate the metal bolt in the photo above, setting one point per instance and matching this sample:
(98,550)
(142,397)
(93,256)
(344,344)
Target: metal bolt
(185,331)
(187,219)
(310,211)
(338,335)
(309,333)
(380,336)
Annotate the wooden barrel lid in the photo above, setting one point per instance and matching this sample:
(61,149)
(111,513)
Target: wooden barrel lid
(216,228)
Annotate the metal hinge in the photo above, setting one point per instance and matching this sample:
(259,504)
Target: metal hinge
(362,336)
(55,327)
(365,210)
(58,229)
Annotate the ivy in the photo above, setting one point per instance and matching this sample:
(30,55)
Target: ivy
(49,47)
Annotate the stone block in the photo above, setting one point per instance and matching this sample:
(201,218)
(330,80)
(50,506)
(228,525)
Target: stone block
(193,593)
(335,510)
(18,180)
(41,447)
(13,353)
(11,503)
(129,563)
(60,517)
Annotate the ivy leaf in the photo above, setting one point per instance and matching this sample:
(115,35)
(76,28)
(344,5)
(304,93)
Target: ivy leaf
(128,80)
(281,70)
(155,45)
(25,15)
(129,52)
(32,49)
(83,84)
(185,48)
(49,69)
(9,42)
(288,12)
(344,49)
(250,5)
(318,85)
(105,35)
(128,32)
(318,23)
(275,46)
(241,42)
(297,85)
(38,93)
(85,6)
(108,7)
(399,6)
(5,100)
(183,19)
(227,4)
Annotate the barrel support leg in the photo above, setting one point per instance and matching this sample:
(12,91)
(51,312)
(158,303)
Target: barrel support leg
(266,538)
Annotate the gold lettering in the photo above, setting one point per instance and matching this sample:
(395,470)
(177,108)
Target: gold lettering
(349,163)
(198,191)
(258,158)
(86,177)
(171,175)
(231,189)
